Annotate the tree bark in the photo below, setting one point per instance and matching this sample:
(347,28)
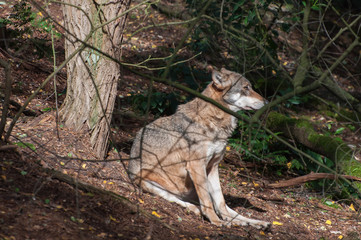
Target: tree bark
(7,94)
(92,78)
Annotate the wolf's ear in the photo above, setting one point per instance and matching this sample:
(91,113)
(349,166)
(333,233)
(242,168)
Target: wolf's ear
(219,81)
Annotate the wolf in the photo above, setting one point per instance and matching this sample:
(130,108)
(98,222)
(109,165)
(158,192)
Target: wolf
(177,157)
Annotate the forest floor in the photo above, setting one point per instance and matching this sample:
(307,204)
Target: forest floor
(38,201)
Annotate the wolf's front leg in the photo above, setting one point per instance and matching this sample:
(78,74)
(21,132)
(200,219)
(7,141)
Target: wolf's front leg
(228,214)
(197,172)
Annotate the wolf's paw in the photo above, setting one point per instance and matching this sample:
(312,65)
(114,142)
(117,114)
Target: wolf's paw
(261,225)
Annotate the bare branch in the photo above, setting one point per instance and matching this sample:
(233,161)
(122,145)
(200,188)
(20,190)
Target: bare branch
(310,177)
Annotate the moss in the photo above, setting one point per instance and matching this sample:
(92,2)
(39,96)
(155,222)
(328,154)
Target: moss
(329,113)
(352,167)
(333,148)
(304,124)
(346,115)
(276,121)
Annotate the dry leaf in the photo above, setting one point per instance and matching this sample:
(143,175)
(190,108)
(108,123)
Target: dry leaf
(352,208)
(277,223)
(113,219)
(289,165)
(155,214)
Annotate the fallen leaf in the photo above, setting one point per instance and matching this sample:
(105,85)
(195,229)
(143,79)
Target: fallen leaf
(289,165)
(102,235)
(113,219)
(277,223)
(352,208)
(328,222)
(340,237)
(141,201)
(155,214)
(262,233)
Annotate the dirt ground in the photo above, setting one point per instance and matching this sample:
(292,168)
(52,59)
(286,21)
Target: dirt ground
(55,188)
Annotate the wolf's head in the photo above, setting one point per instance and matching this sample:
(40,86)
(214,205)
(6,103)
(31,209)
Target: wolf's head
(237,91)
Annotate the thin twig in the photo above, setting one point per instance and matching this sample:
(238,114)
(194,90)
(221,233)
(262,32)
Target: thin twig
(55,89)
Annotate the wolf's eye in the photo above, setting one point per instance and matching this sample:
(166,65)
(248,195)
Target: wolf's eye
(246,87)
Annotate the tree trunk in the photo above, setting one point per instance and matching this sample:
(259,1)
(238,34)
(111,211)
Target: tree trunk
(92,78)
(303,132)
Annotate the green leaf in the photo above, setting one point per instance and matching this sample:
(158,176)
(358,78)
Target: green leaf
(315,7)
(351,127)
(23,173)
(46,109)
(26,145)
(339,131)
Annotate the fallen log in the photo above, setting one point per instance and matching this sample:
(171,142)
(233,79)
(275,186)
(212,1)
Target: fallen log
(302,131)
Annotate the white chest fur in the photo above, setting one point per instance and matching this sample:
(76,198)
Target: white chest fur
(215,149)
